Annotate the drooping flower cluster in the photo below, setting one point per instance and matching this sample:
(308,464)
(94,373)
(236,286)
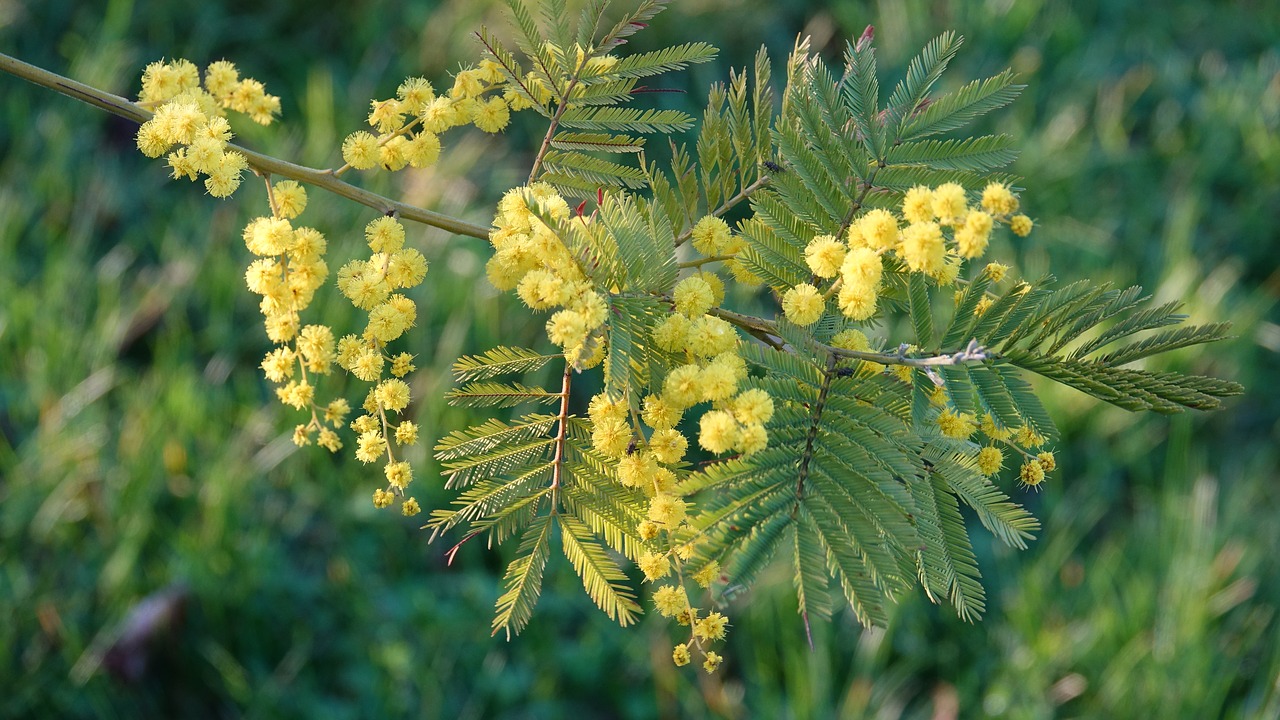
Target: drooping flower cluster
(194,118)
(289,268)
(371,285)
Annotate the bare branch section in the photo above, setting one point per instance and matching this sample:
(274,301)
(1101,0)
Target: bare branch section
(767,330)
(324,179)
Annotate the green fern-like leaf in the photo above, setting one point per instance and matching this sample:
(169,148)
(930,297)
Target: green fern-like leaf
(523,579)
(603,580)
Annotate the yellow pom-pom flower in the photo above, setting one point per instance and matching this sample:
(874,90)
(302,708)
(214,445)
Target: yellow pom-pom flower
(879,229)
(693,296)
(998,200)
(803,304)
(718,431)
(1020,225)
(959,426)
(824,254)
(990,460)
(917,205)
(1031,474)
(360,150)
(949,203)
(711,235)
(858,301)
(923,248)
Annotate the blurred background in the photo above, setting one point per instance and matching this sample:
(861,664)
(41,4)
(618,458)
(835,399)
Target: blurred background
(147,476)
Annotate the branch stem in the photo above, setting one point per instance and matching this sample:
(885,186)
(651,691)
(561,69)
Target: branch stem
(266,164)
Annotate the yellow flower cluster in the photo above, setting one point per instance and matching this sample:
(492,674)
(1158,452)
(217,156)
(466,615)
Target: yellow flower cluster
(530,257)
(287,271)
(989,458)
(712,237)
(409,125)
(193,117)
(372,285)
(856,263)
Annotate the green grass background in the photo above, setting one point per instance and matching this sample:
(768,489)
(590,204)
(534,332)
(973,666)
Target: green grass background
(141,451)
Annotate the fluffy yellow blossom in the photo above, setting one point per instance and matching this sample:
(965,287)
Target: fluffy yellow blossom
(1020,225)
(752,406)
(711,235)
(1031,474)
(370,446)
(668,445)
(862,266)
(467,84)
(360,150)
(992,430)
(399,474)
(711,662)
(998,200)
(605,407)
(990,460)
(717,286)
(567,328)
(972,237)
(824,254)
(278,365)
(693,296)
(329,440)
(959,426)
(414,94)
(393,394)
(752,438)
(386,115)
(666,510)
(406,433)
(719,379)
(711,627)
(1047,461)
(422,150)
(710,336)
(851,339)
(949,203)
(708,574)
(647,530)
(717,431)
(654,565)
(221,77)
(367,366)
(637,469)
(996,271)
(410,507)
(923,248)
(402,365)
(492,115)
(659,414)
(917,205)
(682,387)
(611,437)
(858,301)
(680,655)
(1028,437)
(384,234)
(879,229)
(406,268)
(382,498)
(803,304)
(670,600)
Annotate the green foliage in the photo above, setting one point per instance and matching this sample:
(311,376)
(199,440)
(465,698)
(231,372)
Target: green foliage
(1179,581)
